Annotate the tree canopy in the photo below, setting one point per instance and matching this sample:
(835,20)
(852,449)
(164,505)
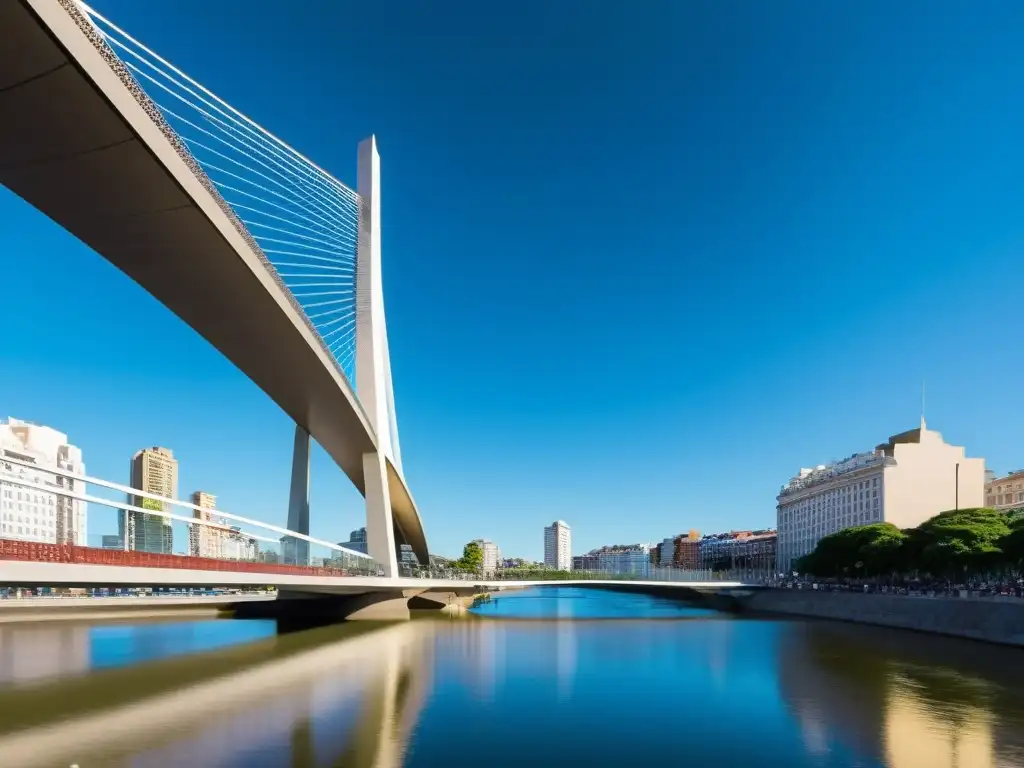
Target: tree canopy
(472,558)
(951,543)
(870,550)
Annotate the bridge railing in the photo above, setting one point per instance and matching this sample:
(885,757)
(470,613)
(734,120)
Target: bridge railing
(47,513)
(651,574)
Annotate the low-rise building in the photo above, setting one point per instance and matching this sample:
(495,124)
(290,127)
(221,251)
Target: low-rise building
(584,562)
(633,559)
(1005,493)
(687,551)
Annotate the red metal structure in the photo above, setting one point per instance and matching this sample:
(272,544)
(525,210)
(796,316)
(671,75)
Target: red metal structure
(64,553)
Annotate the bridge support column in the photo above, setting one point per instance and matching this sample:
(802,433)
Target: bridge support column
(297,550)
(380,527)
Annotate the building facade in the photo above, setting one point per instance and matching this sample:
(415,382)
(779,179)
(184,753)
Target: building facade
(665,552)
(235,545)
(406,556)
(40,513)
(687,552)
(153,470)
(558,546)
(584,562)
(631,559)
(205,540)
(356,541)
(1005,493)
(905,481)
(492,555)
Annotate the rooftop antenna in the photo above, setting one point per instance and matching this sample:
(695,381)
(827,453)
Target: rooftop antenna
(922,403)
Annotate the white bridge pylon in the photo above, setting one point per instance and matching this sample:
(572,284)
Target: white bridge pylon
(373,385)
(373,364)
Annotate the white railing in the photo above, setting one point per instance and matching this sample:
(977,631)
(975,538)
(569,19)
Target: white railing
(348,557)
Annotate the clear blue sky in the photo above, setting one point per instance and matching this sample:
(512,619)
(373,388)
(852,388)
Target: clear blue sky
(642,260)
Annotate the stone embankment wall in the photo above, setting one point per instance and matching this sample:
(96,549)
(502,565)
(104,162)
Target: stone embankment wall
(990,620)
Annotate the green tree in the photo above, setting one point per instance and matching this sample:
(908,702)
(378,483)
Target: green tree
(865,550)
(472,559)
(152,504)
(1012,547)
(963,541)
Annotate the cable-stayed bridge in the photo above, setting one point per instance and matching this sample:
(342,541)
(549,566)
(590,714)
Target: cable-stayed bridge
(266,255)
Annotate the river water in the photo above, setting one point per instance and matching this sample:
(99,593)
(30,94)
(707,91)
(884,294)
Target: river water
(539,677)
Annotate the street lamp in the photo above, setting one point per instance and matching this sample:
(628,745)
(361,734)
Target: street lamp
(957,490)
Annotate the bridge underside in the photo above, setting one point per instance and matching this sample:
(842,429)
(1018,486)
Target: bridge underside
(78,144)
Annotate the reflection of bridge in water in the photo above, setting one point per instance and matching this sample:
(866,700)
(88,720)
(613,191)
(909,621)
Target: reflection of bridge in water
(348,703)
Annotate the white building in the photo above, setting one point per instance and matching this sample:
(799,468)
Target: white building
(235,545)
(558,546)
(40,513)
(905,481)
(492,555)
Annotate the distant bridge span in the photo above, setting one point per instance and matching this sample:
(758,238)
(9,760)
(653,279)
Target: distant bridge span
(80,141)
(74,574)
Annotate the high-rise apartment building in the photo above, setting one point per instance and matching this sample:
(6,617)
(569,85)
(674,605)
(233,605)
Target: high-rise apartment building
(1005,493)
(205,540)
(492,555)
(40,513)
(558,546)
(905,481)
(153,470)
(356,541)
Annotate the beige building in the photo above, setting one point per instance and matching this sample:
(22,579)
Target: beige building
(1005,492)
(153,470)
(912,477)
(492,555)
(205,540)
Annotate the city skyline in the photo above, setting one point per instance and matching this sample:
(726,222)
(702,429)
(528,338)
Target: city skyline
(799,278)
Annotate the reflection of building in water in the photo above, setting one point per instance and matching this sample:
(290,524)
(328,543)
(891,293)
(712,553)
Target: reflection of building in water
(566,649)
(31,652)
(888,699)
(480,647)
(813,668)
(918,735)
(486,645)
